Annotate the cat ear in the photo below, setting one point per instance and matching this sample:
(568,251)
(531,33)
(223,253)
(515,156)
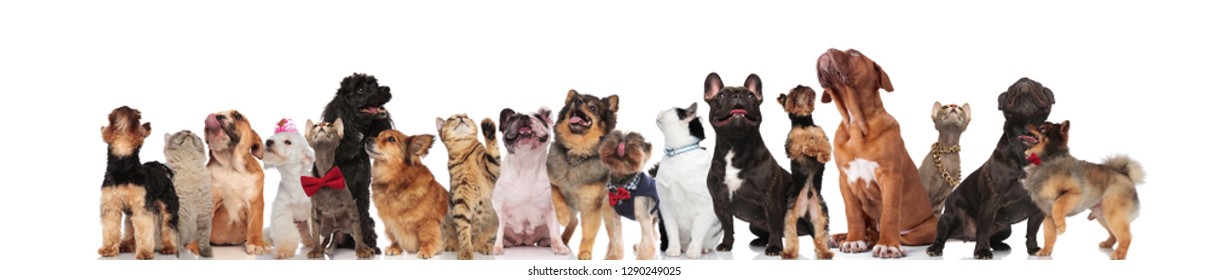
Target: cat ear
(966,108)
(936,108)
(691,112)
(440,123)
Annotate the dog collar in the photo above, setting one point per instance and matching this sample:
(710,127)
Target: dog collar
(801,121)
(631,185)
(677,151)
(1034,159)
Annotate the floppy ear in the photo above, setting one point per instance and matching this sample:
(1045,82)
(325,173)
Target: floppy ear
(440,123)
(544,114)
(145,130)
(570,94)
(1003,100)
(1049,95)
(505,115)
(754,85)
(781,99)
(417,146)
(966,108)
(884,82)
(611,103)
(936,107)
(105,133)
(826,96)
(713,84)
(257,145)
(691,112)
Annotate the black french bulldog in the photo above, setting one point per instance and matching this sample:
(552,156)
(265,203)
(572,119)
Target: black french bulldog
(745,180)
(986,204)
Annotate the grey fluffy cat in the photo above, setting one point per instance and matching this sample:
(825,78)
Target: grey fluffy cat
(186,155)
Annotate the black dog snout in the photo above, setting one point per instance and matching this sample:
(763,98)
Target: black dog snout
(268,144)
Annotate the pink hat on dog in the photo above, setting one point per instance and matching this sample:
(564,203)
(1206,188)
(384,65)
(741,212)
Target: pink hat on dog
(285,125)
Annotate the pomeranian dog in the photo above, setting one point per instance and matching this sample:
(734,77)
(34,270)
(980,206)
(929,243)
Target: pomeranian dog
(410,202)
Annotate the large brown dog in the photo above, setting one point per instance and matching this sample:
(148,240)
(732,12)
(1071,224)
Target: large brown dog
(884,200)
(238,182)
(577,175)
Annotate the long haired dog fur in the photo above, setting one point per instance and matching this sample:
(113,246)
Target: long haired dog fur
(238,182)
(1062,186)
(143,192)
(185,153)
(473,169)
(333,211)
(631,193)
(409,200)
(685,206)
(360,102)
(522,193)
(290,221)
(984,206)
(940,171)
(577,176)
(809,151)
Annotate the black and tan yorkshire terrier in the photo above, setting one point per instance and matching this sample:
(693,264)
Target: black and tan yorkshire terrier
(141,192)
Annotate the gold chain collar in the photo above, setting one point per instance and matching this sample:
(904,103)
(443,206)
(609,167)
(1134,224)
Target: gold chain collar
(937,150)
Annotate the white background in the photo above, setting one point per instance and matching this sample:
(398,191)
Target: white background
(1128,76)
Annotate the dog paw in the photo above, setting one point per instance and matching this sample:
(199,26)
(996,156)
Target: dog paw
(1000,246)
(314,254)
(883,251)
(144,255)
(427,254)
(854,246)
(936,250)
(692,254)
(280,253)
(1107,244)
(761,241)
(109,251)
(583,256)
(1117,255)
(365,253)
(465,255)
(983,254)
(560,249)
(773,250)
(824,255)
(723,247)
(168,250)
(126,246)
(789,254)
(253,249)
(394,251)
(497,250)
(1045,252)
(673,250)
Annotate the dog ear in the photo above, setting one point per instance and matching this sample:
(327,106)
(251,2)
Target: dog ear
(1049,95)
(826,96)
(105,133)
(713,85)
(257,145)
(781,99)
(611,103)
(1064,128)
(418,146)
(884,82)
(505,115)
(691,112)
(570,94)
(145,130)
(440,123)
(936,108)
(544,114)
(754,85)
(966,109)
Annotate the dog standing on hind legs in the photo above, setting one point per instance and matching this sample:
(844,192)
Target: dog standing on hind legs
(1062,186)
(142,191)
(809,151)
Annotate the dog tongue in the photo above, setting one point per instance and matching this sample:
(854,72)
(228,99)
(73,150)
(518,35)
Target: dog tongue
(212,122)
(621,149)
(576,120)
(738,111)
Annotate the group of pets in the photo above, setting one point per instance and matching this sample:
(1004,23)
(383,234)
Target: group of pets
(591,172)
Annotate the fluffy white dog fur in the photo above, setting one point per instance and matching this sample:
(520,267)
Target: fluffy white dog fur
(685,204)
(289,222)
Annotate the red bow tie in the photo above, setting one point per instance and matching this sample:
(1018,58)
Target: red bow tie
(1034,159)
(334,179)
(618,195)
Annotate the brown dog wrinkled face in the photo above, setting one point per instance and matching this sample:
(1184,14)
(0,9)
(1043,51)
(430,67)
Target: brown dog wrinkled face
(845,72)
(394,147)
(625,153)
(124,135)
(227,129)
(951,116)
(799,102)
(1046,138)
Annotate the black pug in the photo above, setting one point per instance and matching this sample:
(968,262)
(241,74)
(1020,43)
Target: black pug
(986,204)
(745,180)
(360,104)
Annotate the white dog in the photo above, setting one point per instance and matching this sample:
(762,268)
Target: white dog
(685,203)
(289,223)
(522,192)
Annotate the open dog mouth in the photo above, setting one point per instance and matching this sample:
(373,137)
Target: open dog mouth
(524,133)
(373,109)
(737,113)
(1028,140)
(579,120)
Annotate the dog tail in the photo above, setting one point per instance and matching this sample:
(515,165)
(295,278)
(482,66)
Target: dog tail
(1127,166)
(653,170)
(160,188)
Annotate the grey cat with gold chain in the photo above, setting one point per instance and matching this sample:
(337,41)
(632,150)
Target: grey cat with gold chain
(940,171)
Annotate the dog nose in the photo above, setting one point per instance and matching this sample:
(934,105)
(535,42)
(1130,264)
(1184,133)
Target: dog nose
(268,144)
(220,117)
